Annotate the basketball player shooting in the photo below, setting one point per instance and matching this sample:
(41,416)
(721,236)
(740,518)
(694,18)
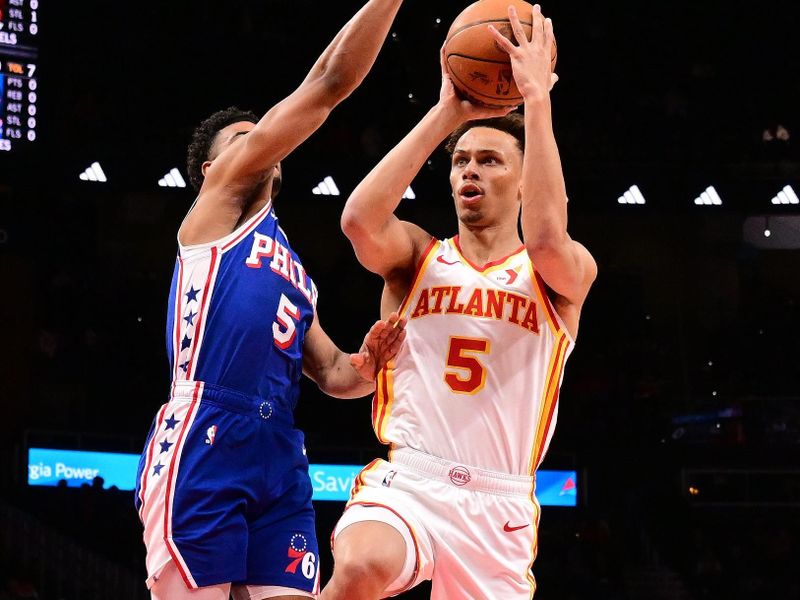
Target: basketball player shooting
(223,488)
(469,404)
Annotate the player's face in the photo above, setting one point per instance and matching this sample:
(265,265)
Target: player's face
(230,135)
(234,134)
(485,176)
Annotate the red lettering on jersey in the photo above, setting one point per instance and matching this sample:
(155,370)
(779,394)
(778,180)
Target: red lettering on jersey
(475,304)
(489,303)
(515,301)
(495,303)
(438,293)
(422,305)
(531,322)
(455,306)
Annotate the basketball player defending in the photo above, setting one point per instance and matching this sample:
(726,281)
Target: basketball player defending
(469,404)
(223,488)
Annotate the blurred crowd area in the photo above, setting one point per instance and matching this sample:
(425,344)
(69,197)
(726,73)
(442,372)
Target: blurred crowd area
(684,83)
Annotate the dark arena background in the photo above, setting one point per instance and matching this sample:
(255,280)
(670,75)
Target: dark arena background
(678,128)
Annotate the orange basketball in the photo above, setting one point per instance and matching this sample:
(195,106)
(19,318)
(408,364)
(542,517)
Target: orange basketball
(479,68)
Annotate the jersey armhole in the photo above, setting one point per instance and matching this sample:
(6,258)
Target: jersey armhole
(430,250)
(554,320)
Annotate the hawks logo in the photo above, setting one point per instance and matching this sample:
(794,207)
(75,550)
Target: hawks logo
(298,552)
(459,476)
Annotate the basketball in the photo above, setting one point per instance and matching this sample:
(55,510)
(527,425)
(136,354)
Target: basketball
(479,68)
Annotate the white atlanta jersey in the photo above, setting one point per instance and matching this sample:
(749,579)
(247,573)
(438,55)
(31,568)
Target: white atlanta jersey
(478,377)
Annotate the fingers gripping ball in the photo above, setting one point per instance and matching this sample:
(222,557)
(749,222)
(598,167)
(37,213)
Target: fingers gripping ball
(479,68)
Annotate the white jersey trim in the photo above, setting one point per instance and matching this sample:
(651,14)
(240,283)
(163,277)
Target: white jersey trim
(228,241)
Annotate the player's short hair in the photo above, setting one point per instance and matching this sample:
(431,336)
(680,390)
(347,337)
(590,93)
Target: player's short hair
(204,136)
(513,124)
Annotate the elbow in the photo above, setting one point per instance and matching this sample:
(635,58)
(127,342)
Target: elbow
(351,221)
(348,223)
(338,83)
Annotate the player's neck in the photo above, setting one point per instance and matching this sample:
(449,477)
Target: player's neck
(482,245)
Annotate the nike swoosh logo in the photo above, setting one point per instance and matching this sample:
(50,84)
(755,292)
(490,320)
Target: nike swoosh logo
(508,529)
(443,261)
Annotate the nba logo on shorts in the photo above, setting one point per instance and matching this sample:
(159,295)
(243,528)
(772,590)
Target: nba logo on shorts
(211,434)
(459,476)
(387,481)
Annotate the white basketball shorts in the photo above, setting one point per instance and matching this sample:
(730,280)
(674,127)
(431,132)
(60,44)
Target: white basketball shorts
(472,532)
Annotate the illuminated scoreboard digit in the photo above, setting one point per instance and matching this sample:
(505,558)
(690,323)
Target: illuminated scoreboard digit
(19,29)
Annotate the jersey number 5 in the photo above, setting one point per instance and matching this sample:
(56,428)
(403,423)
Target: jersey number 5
(471,375)
(284,329)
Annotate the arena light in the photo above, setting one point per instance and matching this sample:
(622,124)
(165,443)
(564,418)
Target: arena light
(709,197)
(326,187)
(93,172)
(409,194)
(786,196)
(632,196)
(173,179)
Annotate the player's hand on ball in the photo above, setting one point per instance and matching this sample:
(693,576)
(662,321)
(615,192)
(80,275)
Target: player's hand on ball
(463,108)
(530,59)
(381,345)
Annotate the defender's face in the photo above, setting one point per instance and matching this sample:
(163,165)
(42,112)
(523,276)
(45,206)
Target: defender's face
(233,134)
(485,176)
(227,136)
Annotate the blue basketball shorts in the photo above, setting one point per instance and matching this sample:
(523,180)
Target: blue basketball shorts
(223,491)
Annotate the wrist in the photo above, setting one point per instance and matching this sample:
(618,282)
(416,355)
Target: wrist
(445,119)
(536,100)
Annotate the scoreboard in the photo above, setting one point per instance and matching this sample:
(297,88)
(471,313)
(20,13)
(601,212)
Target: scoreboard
(19,52)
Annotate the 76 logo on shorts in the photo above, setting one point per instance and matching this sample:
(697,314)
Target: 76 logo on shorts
(301,557)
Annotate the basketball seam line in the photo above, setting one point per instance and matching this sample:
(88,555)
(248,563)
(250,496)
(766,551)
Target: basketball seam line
(475,23)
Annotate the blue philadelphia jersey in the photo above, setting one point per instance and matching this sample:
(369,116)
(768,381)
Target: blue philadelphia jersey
(239,309)
(223,489)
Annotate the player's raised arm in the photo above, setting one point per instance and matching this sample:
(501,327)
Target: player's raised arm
(339,70)
(565,265)
(381,241)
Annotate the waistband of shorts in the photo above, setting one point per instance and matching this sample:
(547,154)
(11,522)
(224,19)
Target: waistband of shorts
(463,476)
(267,409)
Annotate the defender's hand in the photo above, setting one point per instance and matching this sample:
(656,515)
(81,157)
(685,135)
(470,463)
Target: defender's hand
(381,345)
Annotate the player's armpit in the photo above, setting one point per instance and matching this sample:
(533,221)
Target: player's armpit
(396,246)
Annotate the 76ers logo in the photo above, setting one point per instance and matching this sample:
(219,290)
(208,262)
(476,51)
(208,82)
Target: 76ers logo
(301,556)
